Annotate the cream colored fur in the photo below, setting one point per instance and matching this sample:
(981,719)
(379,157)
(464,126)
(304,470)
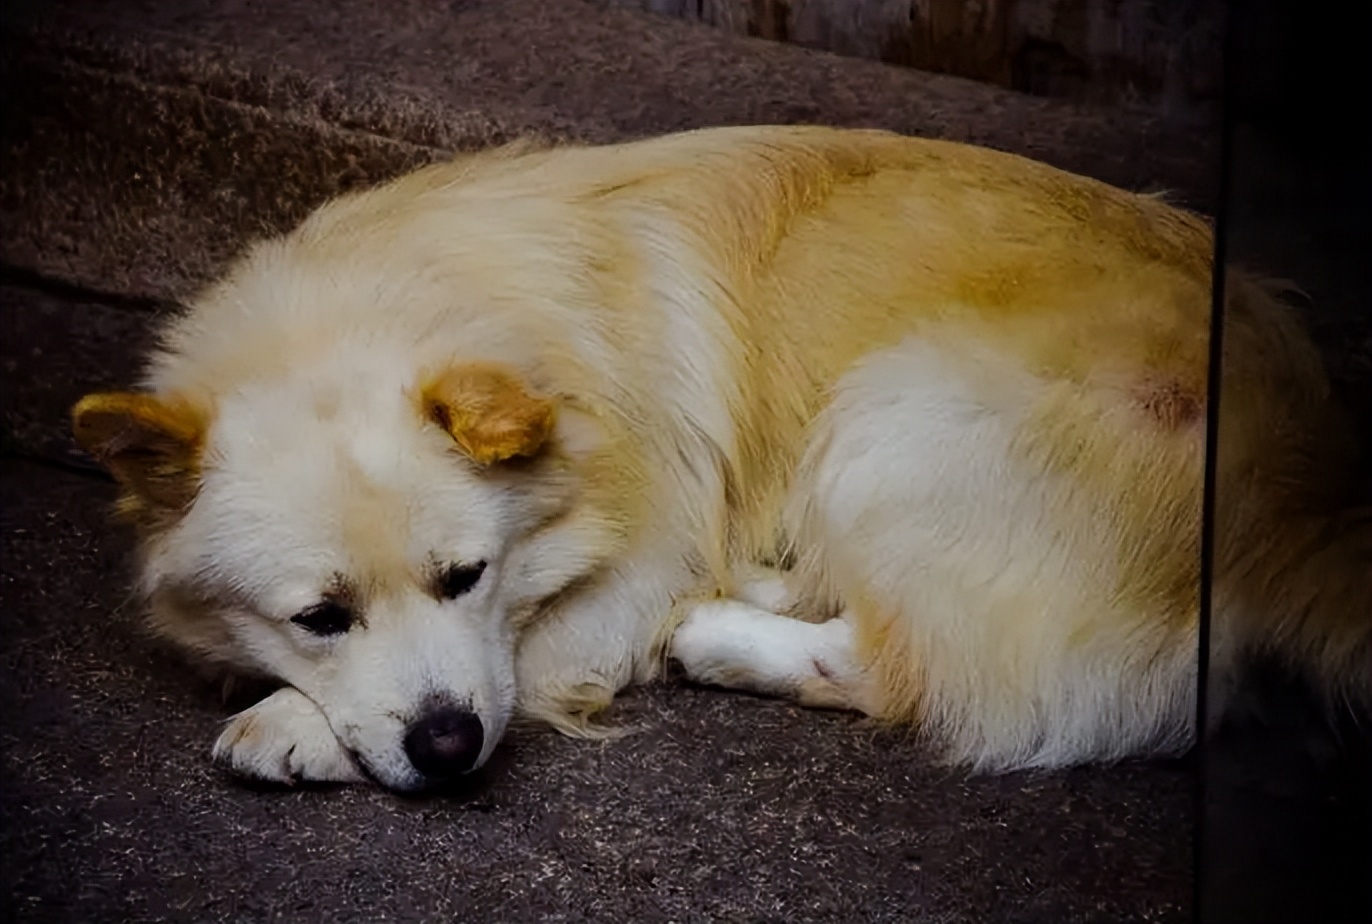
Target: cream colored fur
(959,395)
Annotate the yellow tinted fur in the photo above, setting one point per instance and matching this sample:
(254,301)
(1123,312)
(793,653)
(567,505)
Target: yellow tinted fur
(790,255)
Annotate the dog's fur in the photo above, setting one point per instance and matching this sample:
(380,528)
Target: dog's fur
(899,426)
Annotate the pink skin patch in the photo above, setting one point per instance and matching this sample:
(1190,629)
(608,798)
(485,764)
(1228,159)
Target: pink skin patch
(1170,404)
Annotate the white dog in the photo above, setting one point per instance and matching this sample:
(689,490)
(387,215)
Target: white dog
(497,437)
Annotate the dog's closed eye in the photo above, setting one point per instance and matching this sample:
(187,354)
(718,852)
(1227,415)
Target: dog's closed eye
(327,618)
(456,580)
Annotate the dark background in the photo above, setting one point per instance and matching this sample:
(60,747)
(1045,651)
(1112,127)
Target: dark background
(1287,830)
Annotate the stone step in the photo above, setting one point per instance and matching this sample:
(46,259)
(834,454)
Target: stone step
(150,140)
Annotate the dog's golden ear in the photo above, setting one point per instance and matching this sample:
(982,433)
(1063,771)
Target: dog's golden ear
(489,412)
(152,447)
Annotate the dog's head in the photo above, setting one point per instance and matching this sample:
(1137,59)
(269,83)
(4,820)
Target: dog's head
(373,544)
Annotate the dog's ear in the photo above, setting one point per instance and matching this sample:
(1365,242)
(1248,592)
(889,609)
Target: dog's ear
(488,411)
(152,447)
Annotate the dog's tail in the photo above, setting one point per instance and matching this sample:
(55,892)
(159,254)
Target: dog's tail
(1308,605)
(1293,519)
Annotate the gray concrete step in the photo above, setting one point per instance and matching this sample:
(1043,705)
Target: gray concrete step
(150,139)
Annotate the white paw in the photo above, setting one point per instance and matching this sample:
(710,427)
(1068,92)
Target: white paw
(284,739)
(732,644)
(706,644)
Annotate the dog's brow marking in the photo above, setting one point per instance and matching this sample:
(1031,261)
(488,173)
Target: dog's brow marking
(341,590)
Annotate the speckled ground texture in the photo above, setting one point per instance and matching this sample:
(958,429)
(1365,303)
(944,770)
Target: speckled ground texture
(151,140)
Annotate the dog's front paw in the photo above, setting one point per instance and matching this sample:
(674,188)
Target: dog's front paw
(284,739)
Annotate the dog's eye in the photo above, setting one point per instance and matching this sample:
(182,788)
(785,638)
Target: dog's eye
(327,618)
(456,580)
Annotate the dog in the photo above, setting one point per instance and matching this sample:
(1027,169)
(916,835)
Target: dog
(903,427)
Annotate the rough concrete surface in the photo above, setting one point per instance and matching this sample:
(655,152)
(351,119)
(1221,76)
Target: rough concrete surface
(203,122)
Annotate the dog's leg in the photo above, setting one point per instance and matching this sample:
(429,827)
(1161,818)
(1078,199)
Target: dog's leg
(734,644)
(573,662)
(596,641)
(284,739)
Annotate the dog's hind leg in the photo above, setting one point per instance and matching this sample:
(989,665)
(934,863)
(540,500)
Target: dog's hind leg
(730,643)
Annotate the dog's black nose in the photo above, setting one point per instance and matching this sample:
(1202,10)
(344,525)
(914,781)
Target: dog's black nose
(444,742)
